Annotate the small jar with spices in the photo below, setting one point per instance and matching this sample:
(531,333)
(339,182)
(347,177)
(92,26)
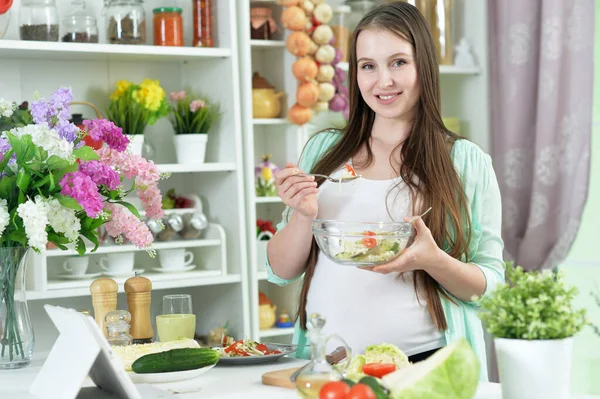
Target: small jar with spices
(79,26)
(168,26)
(126,21)
(38,20)
(341,33)
(203,23)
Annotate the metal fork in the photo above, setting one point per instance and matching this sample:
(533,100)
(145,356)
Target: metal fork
(331,179)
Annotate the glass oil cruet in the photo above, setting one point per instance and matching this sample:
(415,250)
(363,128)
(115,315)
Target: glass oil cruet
(318,372)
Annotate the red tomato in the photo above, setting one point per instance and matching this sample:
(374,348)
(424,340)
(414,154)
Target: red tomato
(5,5)
(369,242)
(361,391)
(334,390)
(378,369)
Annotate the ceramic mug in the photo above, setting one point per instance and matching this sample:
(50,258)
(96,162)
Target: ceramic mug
(77,266)
(121,262)
(177,258)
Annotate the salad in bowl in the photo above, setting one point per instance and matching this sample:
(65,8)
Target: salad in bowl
(362,243)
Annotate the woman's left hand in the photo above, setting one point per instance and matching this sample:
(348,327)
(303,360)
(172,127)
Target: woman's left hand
(421,255)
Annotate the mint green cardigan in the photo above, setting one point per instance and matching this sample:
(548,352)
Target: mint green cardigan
(481,188)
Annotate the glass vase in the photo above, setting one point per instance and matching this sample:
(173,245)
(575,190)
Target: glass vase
(16,332)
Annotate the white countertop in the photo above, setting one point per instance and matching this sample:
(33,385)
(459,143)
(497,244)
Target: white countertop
(222,382)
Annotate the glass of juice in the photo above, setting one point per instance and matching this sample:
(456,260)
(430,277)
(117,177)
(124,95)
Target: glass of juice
(177,320)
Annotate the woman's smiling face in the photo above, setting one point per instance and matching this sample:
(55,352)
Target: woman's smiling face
(387,74)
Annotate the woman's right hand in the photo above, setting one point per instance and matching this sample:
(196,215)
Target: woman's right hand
(297,192)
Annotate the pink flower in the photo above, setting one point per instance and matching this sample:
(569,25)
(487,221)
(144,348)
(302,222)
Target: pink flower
(122,221)
(101,174)
(146,178)
(105,130)
(82,188)
(196,105)
(178,95)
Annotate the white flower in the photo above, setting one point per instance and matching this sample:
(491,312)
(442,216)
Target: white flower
(7,108)
(49,139)
(35,221)
(63,219)
(4,216)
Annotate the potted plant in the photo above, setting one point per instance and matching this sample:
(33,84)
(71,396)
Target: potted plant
(264,232)
(132,107)
(533,321)
(192,118)
(56,189)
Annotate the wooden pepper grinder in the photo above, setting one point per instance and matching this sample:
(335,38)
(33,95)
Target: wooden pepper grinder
(104,299)
(138,291)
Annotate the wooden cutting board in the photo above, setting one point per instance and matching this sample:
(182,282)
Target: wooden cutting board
(279,378)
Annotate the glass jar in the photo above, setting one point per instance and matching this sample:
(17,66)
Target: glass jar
(126,21)
(341,34)
(117,328)
(38,20)
(168,26)
(80,26)
(359,8)
(203,23)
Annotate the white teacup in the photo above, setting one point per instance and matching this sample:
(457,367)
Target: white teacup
(120,262)
(77,266)
(175,258)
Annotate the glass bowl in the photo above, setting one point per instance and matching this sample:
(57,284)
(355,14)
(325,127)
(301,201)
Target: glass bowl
(362,243)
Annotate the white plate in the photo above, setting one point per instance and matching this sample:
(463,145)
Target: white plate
(174,270)
(129,273)
(79,276)
(249,360)
(161,378)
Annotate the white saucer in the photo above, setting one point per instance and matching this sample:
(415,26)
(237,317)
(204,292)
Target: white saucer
(79,276)
(173,270)
(128,273)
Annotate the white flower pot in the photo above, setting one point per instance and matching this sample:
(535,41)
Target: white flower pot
(136,143)
(190,148)
(534,369)
(261,250)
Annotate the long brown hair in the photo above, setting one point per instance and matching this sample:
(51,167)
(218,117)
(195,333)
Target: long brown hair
(427,167)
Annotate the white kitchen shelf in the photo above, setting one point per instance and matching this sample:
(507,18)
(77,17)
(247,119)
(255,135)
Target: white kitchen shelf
(267,200)
(444,69)
(276,332)
(106,52)
(262,276)
(194,168)
(109,249)
(270,121)
(265,44)
(159,281)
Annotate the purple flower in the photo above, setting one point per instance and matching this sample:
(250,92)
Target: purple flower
(40,111)
(105,130)
(101,174)
(4,148)
(83,189)
(66,130)
(59,103)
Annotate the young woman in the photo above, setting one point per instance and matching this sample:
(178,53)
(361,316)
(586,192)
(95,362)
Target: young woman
(409,161)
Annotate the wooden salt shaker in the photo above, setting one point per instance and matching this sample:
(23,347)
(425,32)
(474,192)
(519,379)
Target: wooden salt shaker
(104,299)
(139,291)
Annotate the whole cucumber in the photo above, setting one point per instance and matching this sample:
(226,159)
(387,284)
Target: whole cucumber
(180,359)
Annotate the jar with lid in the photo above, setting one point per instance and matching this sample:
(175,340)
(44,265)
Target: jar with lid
(126,21)
(38,20)
(359,8)
(117,328)
(80,26)
(341,33)
(168,26)
(203,23)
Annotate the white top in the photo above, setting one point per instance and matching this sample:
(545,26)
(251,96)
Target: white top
(361,306)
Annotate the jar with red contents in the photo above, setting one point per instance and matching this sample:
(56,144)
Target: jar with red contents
(168,26)
(203,23)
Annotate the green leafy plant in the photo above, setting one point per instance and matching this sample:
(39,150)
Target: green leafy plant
(532,306)
(596,296)
(20,117)
(192,114)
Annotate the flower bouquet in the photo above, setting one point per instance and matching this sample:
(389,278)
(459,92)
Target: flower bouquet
(532,320)
(56,189)
(192,117)
(133,106)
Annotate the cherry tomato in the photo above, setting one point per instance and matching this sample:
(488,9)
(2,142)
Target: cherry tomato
(361,391)
(334,390)
(378,369)
(5,5)
(369,242)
